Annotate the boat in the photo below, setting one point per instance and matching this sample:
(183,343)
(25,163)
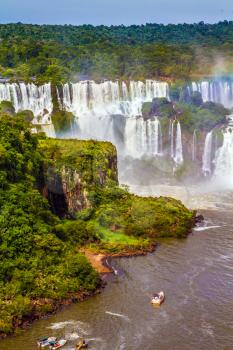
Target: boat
(58,344)
(158,299)
(42,342)
(81,345)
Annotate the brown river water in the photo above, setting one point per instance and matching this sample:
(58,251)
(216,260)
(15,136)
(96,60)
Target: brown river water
(196,275)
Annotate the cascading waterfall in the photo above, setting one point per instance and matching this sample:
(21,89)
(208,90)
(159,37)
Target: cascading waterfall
(171,132)
(176,148)
(101,108)
(194,146)
(23,96)
(143,137)
(207,155)
(110,97)
(98,105)
(154,144)
(178,158)
(218,91)
(224,159)
(223,172)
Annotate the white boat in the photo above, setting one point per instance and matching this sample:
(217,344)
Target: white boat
(158,299)
(46,341)
(58,344)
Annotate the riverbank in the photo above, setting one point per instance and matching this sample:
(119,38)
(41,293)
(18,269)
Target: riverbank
(195,263)
(45,307)
(99,260)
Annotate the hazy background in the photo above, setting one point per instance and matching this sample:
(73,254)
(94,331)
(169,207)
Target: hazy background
(114,11)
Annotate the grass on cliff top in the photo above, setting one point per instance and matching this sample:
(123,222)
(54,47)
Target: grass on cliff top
(68,150)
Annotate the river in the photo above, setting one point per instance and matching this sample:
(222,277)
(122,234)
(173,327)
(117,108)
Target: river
(196,275)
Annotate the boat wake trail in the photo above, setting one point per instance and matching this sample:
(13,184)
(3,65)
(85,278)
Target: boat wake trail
(117,315)
(203,228)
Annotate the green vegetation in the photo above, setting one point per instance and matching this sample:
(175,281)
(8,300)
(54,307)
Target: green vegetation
(39,250)
(205,117)
(192,112)
(58,197)
(60,53)
(34,262)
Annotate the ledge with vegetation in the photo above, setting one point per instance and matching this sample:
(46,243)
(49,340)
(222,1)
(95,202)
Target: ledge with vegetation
(59,198)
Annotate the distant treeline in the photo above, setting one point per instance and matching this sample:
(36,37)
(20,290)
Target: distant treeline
(198,33)
(59,53)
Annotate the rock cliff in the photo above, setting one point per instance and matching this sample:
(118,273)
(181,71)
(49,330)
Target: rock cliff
(73,171)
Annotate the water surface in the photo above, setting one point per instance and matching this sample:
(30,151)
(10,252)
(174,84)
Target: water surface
(197,277)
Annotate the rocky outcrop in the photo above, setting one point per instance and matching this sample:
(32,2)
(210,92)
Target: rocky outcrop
(74,170)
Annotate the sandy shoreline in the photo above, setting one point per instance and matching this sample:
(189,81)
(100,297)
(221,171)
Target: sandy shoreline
(98,260)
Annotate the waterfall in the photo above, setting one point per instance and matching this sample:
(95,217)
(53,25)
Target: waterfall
(194,146)
(110,97)
(143,137)
(223,172)
(98,106)
(224,160)
(176,148)
(171,126)
(179,149)
(154,137)
(23,96)
(218,91)
(207,154)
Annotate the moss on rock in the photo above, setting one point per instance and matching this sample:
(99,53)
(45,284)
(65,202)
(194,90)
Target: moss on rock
(6,107)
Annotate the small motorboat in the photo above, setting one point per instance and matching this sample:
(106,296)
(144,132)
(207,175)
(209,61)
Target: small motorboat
(81,345)
(46,341)
(158,299)
(58,344)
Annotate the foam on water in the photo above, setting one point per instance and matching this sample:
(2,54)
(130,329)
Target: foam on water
(204,228)
(117,315)
(60,325)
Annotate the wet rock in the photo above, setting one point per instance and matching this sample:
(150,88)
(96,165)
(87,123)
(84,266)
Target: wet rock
(199,218)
